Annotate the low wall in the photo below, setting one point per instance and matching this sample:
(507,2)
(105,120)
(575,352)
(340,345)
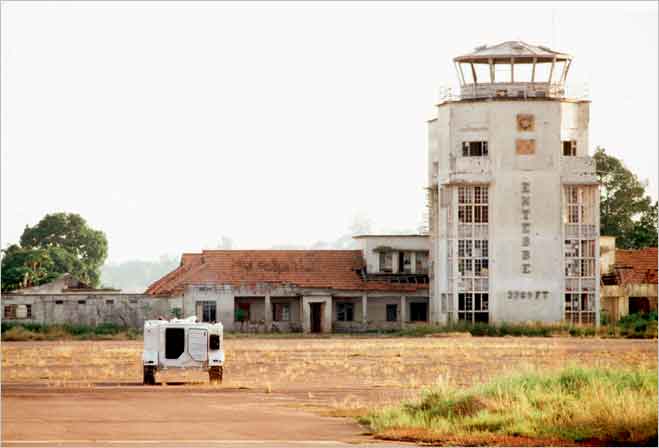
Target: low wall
(130,310)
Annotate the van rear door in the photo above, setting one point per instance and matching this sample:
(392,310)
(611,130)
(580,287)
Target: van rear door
(198,344)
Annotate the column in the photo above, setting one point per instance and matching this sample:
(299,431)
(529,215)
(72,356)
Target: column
(268,313)
(365,311)
(413,262)
(403,310)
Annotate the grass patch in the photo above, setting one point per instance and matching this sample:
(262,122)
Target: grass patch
(43,332)
(573,404)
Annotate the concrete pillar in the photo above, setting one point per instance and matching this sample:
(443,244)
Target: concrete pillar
(394,263)
(327,315)
(403,310)
(364,310)
(413,262)
(268,313)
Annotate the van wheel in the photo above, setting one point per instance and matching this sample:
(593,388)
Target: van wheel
(149,375)
(215,374)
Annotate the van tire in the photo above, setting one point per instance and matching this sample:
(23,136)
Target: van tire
(149,375)
(215,374)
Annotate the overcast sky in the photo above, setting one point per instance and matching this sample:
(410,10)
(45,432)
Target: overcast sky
(168,125)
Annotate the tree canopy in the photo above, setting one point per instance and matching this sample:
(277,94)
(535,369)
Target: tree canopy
(626,212)
(59,243)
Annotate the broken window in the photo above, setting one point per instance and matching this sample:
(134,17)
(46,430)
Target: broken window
(386,262)
(206,311)
(474,149)
(405,262)
(345,312)
(10,312)
(281,312)
(473,307)
(421,262)
(392,312)
(570,148)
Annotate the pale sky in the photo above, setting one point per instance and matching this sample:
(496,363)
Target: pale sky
(168,125)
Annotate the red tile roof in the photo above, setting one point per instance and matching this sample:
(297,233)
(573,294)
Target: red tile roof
(637,266)
(321,269)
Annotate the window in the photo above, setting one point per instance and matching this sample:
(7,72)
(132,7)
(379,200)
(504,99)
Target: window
(474,149)
(10,312)
(421,263)
(392,312)
(82,302)
(344,312)
(174,342)
(418,312)
(17,312)
(281,312)
(570,148)
(59,302)
(473,307)
(386,262)
(405,262)
(206,311)
(109,302)
(242,312)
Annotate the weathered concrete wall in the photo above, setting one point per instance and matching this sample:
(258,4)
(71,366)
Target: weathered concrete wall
(91,309)
(607,254)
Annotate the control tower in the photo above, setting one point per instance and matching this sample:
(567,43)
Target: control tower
(513,196)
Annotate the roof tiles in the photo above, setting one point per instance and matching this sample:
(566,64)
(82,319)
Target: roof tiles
(637,266)
(322,269)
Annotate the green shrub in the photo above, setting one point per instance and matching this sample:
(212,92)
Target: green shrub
(574,404)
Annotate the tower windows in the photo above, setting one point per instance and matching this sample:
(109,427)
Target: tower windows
(579,211)
(474,149)
(569,148)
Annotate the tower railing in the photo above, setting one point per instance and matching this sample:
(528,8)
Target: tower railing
(516,90)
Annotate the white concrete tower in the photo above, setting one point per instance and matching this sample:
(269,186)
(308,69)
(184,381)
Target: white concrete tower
(514,204)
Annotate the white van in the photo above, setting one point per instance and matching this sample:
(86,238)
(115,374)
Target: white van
(183,344)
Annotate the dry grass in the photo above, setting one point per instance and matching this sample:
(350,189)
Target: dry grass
(374,368)
(574,404)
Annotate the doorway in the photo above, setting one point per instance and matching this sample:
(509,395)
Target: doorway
(316,312)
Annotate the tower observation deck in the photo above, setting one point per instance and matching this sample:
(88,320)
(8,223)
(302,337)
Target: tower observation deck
(513,69)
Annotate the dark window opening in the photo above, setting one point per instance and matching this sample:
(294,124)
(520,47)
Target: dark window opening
(345,312)
(10,312)
(570,148)
(639,305)
(281,312)
(214,342)
(81,302)
(242,312)
(174,342)
(474,149)
(109,302)
(392,312)
(206,311)
(418,312)
(59,302)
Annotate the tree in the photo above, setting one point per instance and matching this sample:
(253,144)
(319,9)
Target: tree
(60,243)
(626,212)
(22,268)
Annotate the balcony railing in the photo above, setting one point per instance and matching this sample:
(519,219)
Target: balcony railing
(517,90)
